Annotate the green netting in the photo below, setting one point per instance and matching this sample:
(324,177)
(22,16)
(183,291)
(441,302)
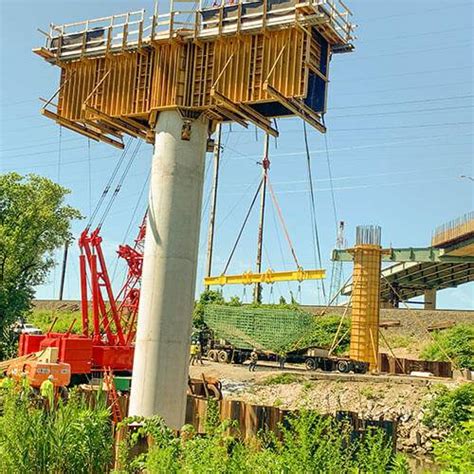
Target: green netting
(272,329)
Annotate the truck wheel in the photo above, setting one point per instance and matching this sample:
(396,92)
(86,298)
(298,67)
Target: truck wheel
(310,364)
(343,366)
(223,357)
(212,355)
(361,368)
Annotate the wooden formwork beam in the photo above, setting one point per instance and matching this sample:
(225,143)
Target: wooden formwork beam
(119,124)
(102,127)
(232,116)
(246,112)
(298,108)
(82,129)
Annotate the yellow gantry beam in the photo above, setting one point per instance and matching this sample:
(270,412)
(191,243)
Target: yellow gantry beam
(269,276)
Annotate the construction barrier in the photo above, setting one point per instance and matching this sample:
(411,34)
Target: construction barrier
(252,419)
(391,365)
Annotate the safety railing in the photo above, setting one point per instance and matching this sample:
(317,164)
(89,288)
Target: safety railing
(453,230)
(124,31)
(227,17)
(133,29)
(97,35)
(339,15)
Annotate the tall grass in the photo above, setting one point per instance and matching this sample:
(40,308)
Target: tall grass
(71,437)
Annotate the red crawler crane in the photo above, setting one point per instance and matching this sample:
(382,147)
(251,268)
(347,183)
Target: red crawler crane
(108,322)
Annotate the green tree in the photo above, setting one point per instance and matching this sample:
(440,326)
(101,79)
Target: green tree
(207,297)
(34,221)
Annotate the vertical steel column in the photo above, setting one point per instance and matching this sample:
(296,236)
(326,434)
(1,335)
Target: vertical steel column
(364,344)
(257,295)
(63,271)
(161,361)
(84,297)
(212,217)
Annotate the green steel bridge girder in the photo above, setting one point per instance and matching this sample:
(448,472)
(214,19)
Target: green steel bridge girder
(409,254)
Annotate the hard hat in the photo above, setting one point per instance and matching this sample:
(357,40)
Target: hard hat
(50,377)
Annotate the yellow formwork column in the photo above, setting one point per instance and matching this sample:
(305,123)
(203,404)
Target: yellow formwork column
(364,344)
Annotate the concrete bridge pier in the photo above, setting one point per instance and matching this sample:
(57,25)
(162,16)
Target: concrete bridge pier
(160,368)
(430,298)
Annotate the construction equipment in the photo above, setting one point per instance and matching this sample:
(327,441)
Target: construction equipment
(366,295)
(205,387)
(108,321)
(267,277)
(38,367)
(243,62)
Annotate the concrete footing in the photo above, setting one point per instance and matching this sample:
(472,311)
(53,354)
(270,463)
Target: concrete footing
(160,369)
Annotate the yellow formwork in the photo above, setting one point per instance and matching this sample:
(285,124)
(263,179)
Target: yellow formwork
(364,344)
(245,62)
(224,78)
(171,74)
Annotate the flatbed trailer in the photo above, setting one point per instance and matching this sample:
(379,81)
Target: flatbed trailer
(313,358)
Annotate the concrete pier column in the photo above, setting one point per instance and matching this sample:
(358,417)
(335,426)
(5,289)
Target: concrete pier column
(364,345)
(160,368)
(430,298)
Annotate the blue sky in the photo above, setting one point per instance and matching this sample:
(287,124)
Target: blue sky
(400,126)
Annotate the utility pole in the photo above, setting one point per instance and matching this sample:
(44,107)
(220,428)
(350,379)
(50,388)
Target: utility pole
(63,271)
(212,218)
(257,296)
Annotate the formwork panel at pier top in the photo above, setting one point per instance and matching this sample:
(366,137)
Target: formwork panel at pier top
(246,62)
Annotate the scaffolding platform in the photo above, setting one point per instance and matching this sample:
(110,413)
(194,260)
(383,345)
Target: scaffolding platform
(128,31)
(246,62)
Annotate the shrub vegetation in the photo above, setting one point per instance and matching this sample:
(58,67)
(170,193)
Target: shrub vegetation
(456,452)
(308,443)
(456,342)
(43,319)
(449,408)
(453,410)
